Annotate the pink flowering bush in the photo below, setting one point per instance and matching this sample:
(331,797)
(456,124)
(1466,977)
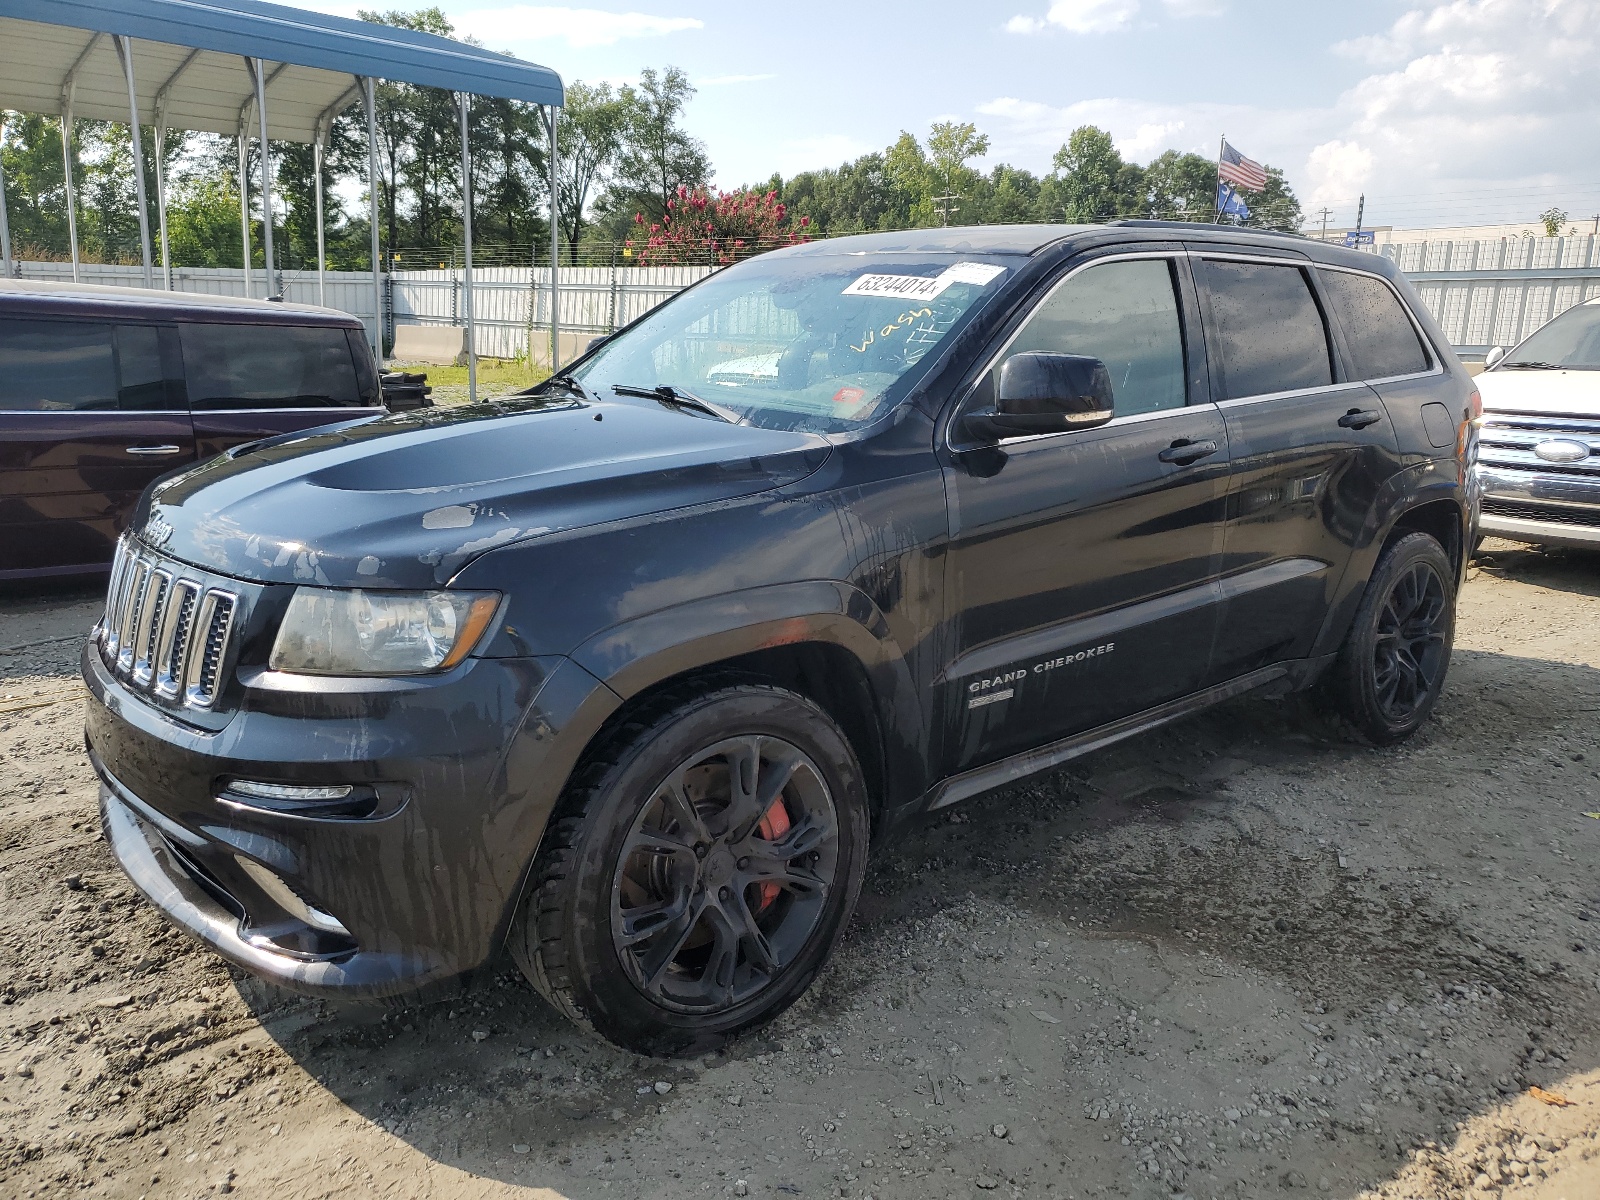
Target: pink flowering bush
(701,228)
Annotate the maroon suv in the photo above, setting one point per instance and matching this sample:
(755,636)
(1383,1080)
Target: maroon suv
(103,389)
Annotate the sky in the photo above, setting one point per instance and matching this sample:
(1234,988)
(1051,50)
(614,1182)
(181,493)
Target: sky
(1470,112)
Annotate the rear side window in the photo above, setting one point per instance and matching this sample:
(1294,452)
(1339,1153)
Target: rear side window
(268,366)
(1126,315)
(1380,335)
(57,366)
(1266,330)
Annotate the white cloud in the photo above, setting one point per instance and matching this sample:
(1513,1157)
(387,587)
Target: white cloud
(713,81)
(1079,16)
(1335,171)
(1466,111)
(578,27)
(1196,8)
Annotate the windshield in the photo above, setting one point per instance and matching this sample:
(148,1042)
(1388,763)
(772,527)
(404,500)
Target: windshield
(1571,341)
(815,343)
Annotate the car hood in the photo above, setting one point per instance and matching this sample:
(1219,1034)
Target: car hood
(406,501)
(1553,393)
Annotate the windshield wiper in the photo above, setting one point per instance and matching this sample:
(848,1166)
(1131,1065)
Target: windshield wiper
(678,398)
(1531,365)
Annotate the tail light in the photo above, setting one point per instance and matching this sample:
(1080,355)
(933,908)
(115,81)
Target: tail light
(1474,411)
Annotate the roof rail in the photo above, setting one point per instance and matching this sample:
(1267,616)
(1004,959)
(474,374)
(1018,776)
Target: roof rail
(1143,223)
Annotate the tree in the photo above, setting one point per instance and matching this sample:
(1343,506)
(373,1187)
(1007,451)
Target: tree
(950,147)
(1181,187)
(1096,184)
(588,143)
(1274,206)
(657,156)
(1553,219)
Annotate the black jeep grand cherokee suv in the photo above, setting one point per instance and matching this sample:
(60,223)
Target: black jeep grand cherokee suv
(626,672)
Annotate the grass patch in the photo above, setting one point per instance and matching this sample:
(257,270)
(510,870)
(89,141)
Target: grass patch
(500,375)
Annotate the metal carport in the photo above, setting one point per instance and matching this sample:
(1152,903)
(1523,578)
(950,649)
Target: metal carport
(244,69)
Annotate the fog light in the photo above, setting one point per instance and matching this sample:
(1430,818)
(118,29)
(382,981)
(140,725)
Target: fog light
(288,791)
(287,899)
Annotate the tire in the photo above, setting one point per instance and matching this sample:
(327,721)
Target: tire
(1391,669)
(670,907)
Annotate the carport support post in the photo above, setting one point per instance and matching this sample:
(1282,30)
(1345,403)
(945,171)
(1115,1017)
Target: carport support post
(464,104)
(322,258)
(5,222)
(555,252)
(66,168)
(258,75)
(161,190)
(244,201)
(370,102)
(125,53)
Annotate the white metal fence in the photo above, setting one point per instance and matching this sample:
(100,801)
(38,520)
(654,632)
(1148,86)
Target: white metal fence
(1496,292)
(1482,293)
(511,305)
(348,291)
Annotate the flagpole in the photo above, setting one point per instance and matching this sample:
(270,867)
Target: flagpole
(1216,215)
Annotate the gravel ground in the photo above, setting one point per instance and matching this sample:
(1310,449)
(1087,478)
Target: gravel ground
(1241,957)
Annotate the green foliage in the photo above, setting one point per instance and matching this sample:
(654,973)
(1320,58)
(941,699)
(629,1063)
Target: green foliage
(1274,206)
(1553,219)
(656,156)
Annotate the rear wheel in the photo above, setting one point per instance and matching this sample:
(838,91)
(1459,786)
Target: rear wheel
(1391,669)
(701,870)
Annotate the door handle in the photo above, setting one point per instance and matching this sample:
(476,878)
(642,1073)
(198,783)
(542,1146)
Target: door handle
(1360,418)
(154,451)
(1183,452)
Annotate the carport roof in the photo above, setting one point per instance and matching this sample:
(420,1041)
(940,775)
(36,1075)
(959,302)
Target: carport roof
(192,53)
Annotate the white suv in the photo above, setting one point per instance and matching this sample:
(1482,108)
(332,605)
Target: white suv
(1539,453)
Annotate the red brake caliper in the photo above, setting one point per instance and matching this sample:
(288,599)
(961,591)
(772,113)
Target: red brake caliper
(773,826)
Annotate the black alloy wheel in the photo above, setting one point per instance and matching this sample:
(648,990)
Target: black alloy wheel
(1410,648)
(725,874)
(699,870)
(1392,666)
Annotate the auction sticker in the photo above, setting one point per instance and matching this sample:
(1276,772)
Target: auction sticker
(897,287)
(918,287)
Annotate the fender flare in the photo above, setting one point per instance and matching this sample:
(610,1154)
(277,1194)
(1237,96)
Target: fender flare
(1405,491)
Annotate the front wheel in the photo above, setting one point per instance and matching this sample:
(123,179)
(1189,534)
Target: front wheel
(1391,669)
(700,871)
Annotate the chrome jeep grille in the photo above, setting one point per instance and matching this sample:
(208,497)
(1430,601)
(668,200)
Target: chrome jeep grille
(166,630)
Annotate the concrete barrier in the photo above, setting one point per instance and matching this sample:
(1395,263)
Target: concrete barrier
(442,345)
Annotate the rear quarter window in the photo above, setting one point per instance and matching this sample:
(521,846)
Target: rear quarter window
(57,366)
(1380,336)
(269,366)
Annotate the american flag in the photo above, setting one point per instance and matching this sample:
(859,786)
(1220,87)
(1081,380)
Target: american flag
(1240,171)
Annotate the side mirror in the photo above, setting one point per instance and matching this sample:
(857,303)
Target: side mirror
(1045,393)
(596,342)
(1492,359)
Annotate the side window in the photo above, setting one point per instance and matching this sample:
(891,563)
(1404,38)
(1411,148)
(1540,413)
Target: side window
(141,383)
(268,366)
(56,366)
(1266,330)
(1380,335)
(1126,315)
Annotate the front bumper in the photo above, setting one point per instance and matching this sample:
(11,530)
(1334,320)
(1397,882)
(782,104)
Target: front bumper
(1547,508)
(420,890)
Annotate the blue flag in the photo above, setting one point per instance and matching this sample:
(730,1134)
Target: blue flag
(1230,205)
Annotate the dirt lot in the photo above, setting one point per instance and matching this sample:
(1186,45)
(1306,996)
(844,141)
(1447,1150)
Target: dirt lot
(1238,958)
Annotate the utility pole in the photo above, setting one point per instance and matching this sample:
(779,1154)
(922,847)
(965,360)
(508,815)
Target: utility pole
(1325,214)
(942,206)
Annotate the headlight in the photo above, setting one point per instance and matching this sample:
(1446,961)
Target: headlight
(332,632)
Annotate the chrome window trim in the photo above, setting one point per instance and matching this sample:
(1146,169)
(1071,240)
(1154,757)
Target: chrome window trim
(1422,335)
(989,364)
(1323,390)
(331,408)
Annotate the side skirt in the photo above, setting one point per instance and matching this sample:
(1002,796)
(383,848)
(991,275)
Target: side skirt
(1043,758)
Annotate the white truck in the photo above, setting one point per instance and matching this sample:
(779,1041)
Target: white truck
(1538,468)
